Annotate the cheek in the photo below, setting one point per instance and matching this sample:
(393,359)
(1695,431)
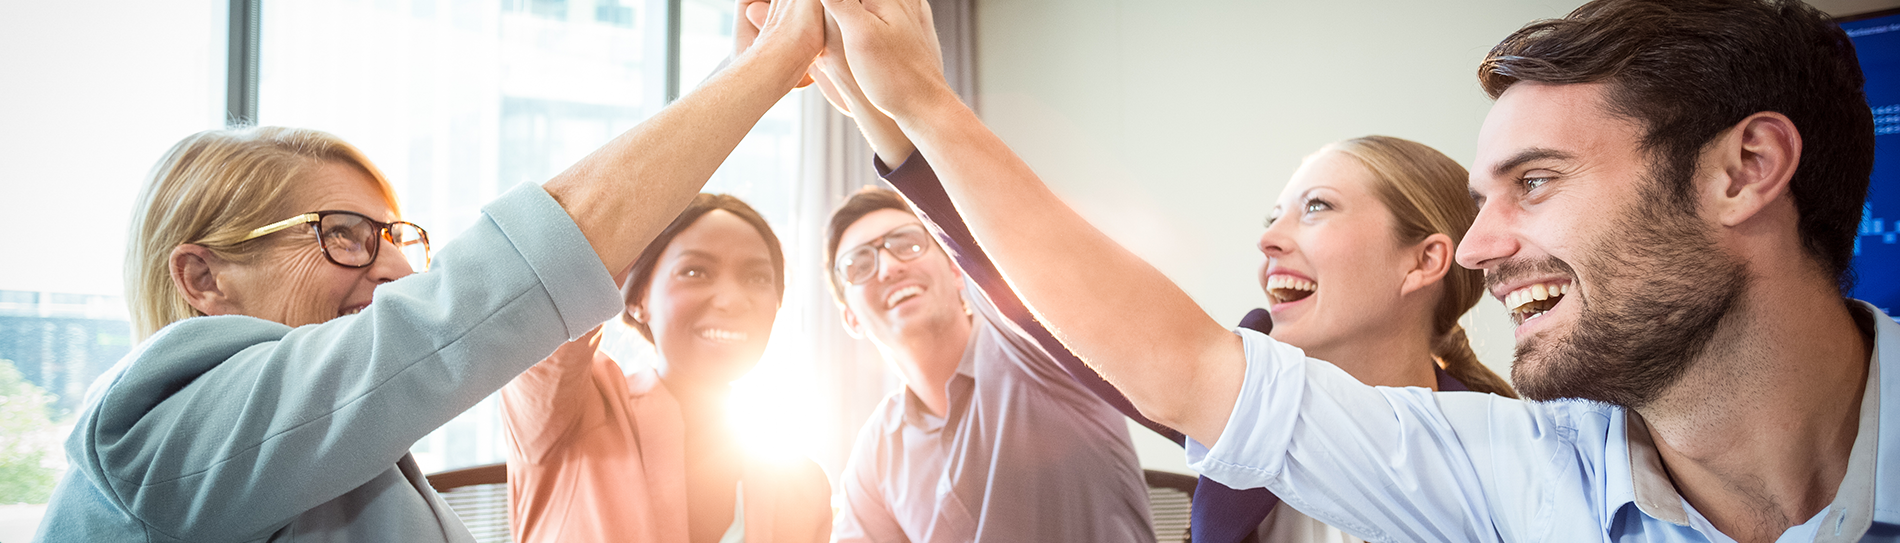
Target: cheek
(312,288)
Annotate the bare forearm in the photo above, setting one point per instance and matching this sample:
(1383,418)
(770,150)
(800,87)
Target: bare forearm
(623,194)
(1114,310)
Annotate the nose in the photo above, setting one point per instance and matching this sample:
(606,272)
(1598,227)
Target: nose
(1276,242)
(1489,240)
(390,264)
(729,295)
(888,266)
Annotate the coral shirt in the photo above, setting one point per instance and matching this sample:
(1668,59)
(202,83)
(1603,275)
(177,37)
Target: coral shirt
(599,456)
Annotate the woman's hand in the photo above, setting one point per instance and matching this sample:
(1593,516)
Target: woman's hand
(796,25)
(894,53)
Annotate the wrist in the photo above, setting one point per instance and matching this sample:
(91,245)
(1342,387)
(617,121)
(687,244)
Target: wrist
(782,61)
(931,107)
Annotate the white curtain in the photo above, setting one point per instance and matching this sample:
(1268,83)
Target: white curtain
(853,377)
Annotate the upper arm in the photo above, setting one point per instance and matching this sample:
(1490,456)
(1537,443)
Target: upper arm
(181,438)
(1378,462)
(543,406)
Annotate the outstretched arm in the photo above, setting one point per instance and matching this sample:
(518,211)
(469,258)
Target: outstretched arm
(1118,313)
(914,178)
(623,194)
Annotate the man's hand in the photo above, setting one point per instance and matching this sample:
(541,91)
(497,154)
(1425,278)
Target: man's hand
(840,86)
(894,53)
(752,17)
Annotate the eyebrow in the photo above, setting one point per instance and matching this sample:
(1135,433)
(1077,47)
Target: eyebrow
(696,253)
(1506,166)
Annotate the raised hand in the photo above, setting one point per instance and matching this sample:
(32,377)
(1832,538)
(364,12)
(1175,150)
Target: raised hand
(795,27)
(840,86)
(894,53)
(752,16)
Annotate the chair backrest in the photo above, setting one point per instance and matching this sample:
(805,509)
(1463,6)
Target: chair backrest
(480,496)
(1170,499)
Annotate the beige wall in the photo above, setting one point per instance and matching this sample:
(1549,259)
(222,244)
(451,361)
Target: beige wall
(1172,125)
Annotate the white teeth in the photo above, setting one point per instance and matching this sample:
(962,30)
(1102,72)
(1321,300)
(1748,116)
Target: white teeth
(1290,283)
(902,294)
(722,336)
(1278,285)
(1518,299)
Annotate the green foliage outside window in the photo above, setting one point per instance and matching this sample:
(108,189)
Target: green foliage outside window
(25,439)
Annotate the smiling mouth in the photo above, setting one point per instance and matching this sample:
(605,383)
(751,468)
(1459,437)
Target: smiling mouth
(1283,289)
(352,310)
(902,294)
(1534,301)
(723,336)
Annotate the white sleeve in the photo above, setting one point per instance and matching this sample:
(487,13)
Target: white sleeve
(1381,463)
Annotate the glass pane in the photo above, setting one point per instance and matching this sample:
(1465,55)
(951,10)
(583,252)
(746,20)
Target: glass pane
(96,93)
(770,406)
(457,101)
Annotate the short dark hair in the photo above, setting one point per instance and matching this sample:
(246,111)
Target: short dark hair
(702,204)
(1689,69)
(865,201)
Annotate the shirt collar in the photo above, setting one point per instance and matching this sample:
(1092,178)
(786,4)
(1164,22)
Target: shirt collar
(955,391)
(1854,508)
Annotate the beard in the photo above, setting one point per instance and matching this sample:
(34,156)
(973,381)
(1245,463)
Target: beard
(1661,288)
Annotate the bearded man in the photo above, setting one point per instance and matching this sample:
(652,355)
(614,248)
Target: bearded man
(1668,193)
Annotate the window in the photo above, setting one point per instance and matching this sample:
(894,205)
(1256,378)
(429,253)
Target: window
(97,92)
(459,101)
(456,100)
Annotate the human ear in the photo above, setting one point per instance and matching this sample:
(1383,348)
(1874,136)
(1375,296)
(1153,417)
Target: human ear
(1756,159)
(195,273)
(851,323)
(1432,260)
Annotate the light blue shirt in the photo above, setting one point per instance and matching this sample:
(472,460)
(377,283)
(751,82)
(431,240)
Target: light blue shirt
(1408,464)
(233,428)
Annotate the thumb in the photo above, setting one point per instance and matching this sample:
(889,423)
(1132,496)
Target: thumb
(848,13)
(756,13)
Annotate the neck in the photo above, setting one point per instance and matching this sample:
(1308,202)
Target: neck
(927,357)
(703,406)
(1396,357)
(1757,433)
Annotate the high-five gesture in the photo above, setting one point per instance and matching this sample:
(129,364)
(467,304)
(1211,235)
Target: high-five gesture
(1184,370)
(797,25)
(894,53)
(754,15)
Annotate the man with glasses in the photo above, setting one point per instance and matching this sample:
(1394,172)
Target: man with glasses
(990,439)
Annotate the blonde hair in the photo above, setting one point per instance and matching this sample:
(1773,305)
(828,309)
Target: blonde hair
(1426,193)
(212,189)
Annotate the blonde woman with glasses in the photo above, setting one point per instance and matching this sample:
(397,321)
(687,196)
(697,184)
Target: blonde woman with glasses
(290,355)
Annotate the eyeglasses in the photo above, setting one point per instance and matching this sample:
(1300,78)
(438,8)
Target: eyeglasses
(906,243)
(351,240)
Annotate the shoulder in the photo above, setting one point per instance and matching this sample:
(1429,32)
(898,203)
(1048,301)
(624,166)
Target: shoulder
(176,356)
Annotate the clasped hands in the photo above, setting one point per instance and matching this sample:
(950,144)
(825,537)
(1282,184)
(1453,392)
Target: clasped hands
(895,67)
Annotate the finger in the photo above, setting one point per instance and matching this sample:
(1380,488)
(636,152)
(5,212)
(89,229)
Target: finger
(848,13)
(830,90)
(756,13)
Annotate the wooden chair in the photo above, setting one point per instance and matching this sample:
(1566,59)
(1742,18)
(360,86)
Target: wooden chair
(480,496)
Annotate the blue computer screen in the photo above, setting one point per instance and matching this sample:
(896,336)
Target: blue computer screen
(1877,249)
